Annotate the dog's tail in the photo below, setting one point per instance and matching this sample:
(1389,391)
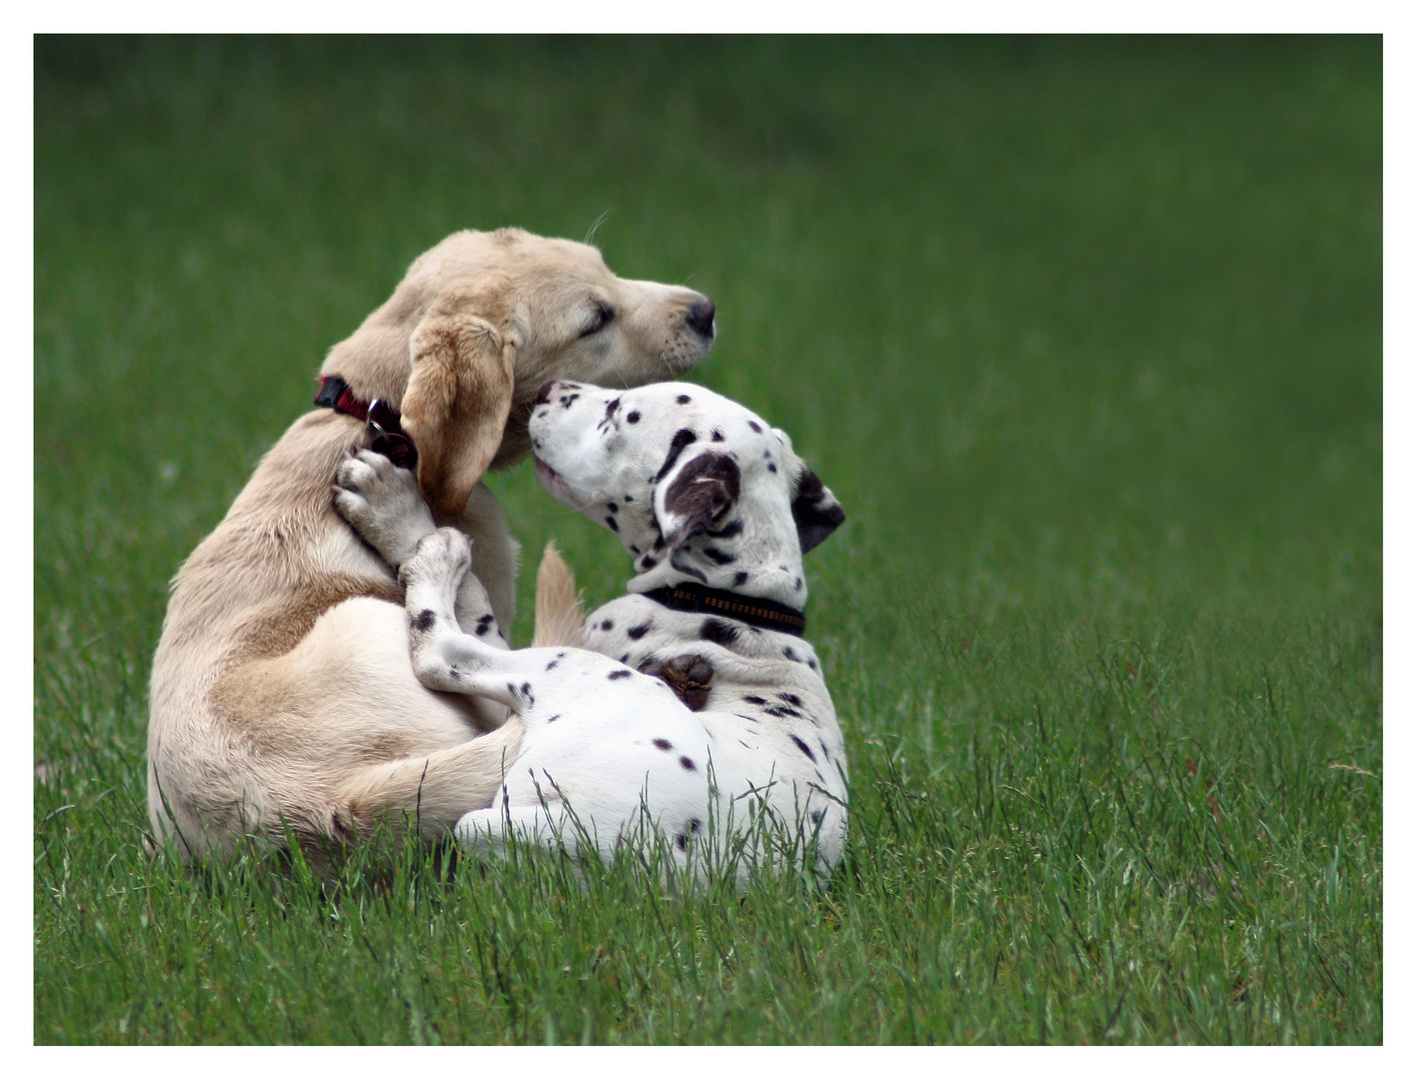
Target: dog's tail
(559,618)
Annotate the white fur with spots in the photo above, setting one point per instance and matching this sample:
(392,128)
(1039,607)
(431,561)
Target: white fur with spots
(697,488)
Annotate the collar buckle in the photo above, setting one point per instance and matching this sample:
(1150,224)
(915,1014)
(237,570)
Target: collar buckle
(389,438)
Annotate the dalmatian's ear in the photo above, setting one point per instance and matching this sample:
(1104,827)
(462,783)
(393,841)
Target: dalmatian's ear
(704,488)
(815,509)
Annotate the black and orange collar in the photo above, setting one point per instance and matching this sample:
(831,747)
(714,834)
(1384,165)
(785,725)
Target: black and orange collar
(753,610)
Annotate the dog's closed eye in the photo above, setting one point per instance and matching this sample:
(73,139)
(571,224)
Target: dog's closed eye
(600,319)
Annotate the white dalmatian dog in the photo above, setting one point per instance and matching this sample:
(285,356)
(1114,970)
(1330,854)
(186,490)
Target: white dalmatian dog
(697,711)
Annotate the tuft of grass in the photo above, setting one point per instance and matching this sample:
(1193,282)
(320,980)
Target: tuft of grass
(1085,334)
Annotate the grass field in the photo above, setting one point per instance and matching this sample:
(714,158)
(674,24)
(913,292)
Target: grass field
(1086,336)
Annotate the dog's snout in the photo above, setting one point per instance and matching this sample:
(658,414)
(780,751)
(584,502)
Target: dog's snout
(543,396)
(700,317)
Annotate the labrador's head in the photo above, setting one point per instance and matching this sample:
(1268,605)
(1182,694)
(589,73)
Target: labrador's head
(482,320)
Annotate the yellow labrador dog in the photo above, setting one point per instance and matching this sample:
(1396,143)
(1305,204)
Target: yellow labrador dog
(282,693)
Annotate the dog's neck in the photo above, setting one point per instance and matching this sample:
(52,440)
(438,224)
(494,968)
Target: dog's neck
(754,553)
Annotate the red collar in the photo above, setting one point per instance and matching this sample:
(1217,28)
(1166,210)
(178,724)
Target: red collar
(389,438)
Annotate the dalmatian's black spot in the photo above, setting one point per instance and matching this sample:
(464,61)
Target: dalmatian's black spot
(754,719)
(688,764)
(733,528)
(526,693)
(629,498)
(681,841)
(797,584)
(623,673)
(717,436)
(425,620)
(718,631)
(634,550)
(659,542)
(552,664)
(633,418)
(754,425)
(772,467)
(664,744)
(607,625)
(744,745)
(624,658)
(787,652)
(805,749)
(816,817)
(695,825)
(566,400)
(723,558)
(753,699)
(553,719)
(738,579)
(613,508)
(682,399)
(611,406)
(791,699)
(637,632)
(649,562)
(811,663)
(455,674)
(682,438)
(484,624)
(614,526)
(512,689)
(780,711)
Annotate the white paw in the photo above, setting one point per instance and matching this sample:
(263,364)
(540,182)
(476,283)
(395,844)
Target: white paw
(441,560)
(383,504)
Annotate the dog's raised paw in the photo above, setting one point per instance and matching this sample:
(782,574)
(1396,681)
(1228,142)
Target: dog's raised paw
(443,553)
(690,676)
(382,502)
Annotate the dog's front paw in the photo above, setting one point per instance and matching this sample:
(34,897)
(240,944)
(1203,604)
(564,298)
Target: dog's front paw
(383,504)
(690,677)
(440,562)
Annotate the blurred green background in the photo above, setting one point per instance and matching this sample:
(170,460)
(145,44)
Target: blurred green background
(1084,333)
(1051,315)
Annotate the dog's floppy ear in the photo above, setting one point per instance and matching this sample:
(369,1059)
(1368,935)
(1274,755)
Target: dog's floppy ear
(815,510)
(457,402)
(703,488)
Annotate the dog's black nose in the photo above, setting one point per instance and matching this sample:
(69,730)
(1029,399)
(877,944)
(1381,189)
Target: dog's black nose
(543,396)
(701,317)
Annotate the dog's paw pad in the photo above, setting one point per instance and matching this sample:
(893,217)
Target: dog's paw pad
(690,676)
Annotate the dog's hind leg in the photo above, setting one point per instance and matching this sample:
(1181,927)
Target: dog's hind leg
(487,832)
(436,789)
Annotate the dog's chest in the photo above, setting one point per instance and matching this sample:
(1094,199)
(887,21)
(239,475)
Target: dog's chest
(767,695)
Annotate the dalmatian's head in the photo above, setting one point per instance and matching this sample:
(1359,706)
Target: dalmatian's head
(694,484)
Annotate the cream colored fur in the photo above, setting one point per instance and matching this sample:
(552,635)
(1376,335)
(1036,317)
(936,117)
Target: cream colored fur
(560,618)
(282,693)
